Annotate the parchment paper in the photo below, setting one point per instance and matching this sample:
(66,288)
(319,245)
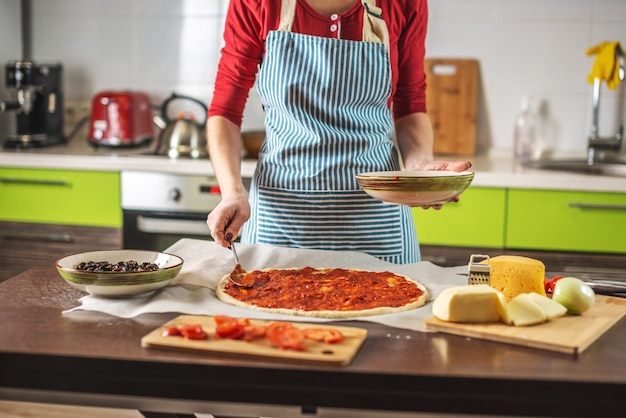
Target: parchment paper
(205,263)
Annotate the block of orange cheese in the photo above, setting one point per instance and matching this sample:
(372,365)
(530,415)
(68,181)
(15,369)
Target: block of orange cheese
(513,275)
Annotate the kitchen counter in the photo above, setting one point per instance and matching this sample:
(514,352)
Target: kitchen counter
(79,155)
(90,358)
(491,170)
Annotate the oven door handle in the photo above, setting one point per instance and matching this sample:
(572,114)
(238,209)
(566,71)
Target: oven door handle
(171,226)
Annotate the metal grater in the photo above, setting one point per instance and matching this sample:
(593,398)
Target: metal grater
(479,273)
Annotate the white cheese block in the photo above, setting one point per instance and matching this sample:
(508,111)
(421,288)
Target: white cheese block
(503,306)
(524,311)
(551,308)
(469,303)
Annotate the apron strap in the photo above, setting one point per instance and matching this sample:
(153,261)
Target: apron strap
(374,27)
(287,15)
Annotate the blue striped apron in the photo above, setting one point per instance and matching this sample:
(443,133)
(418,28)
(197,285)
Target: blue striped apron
(327,119)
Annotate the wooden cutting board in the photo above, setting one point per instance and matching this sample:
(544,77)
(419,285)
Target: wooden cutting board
(452,102)
(338,354)
(569,334)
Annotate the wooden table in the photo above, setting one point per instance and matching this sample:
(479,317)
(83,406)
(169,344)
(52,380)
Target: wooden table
(88,358)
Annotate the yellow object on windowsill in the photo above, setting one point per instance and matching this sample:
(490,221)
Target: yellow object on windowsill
(606,67)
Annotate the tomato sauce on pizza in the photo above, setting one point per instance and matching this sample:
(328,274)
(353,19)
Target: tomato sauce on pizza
(322,290)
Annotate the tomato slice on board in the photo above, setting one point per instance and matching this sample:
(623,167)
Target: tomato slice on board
(251,332)
(234,328)
(275,327)
(193,331)
(227,326)
(325,335)
(171,332)
(285,336)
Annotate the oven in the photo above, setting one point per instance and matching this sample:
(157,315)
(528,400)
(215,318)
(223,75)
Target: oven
(161,208)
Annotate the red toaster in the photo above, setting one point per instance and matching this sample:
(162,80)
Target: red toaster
(121,119)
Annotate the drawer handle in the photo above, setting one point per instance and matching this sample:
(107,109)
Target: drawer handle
(596,206)
(29,236)
(170,226)
(34,182)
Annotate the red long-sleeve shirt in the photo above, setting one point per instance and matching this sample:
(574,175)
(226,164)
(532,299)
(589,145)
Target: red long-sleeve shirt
(249,21)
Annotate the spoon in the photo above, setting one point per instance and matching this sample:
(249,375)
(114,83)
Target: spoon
(238,276)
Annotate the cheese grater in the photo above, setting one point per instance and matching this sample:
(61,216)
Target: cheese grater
(479,269)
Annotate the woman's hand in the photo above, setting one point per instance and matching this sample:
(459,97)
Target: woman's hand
(442,166)
(224,143)
(228,217)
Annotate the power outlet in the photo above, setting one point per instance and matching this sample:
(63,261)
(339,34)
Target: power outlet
(76,117)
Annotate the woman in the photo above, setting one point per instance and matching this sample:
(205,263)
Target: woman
(338,79)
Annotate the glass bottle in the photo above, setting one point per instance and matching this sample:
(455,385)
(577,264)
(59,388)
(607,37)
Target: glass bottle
(525,131)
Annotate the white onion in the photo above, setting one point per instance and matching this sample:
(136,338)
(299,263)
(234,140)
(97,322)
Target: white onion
(574,294)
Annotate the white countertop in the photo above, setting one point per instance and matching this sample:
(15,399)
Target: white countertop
(491,171)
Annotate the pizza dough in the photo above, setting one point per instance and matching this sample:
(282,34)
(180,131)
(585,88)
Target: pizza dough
(325,293)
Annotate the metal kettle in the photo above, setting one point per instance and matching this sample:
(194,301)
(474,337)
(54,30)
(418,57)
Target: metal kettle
(181,136)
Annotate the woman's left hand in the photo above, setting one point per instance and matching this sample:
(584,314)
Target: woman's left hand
(443,166)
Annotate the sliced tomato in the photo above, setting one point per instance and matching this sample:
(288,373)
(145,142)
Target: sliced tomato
(233,328)
(171,332)
(325,335)
(285,336)
(193,332)
(196,335)
(275,327)
(227,326)
(251,332)
(549,284)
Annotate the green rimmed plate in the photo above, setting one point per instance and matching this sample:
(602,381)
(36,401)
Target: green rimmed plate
(415,188)
(120,284)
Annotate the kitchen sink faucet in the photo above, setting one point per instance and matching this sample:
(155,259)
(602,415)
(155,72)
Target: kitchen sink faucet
(596,142)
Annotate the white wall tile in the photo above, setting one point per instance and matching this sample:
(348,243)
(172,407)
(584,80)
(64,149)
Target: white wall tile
(81,7)
(192,8)
(532,47)
(96,52)
(609,10)
(462,9)
(554,10)
(172,49)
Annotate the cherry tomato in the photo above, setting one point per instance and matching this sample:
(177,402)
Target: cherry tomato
(325,335)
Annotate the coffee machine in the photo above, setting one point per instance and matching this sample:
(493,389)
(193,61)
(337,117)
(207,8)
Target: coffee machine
(37,100)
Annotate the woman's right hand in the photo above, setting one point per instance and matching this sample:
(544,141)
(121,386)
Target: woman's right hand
(228,217)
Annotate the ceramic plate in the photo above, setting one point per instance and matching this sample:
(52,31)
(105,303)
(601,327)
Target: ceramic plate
(120,284)
(415,188)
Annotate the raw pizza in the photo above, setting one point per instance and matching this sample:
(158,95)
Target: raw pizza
(325,293)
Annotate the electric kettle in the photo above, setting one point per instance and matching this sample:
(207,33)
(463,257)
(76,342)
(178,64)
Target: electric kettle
(181,136)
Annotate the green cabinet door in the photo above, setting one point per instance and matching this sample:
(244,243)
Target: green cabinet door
(476,220)
(566,221)
(69,197)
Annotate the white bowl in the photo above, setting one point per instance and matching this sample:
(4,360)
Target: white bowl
(415,188)
(120,284)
